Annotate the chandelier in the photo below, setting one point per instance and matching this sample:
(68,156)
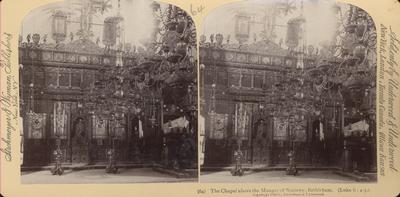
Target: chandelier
(348,67)
(340,72)
(167,58)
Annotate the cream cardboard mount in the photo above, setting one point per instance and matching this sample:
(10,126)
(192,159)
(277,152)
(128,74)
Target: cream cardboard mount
(199,98)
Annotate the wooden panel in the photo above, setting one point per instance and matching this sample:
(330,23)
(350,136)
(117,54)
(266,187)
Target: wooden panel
(258,81)
(76,79)
(51,79)
(222,78)
(209,76)
(39,79)
(246,80)
(64,79)
(64,149)
(222,157)
(36,152)
(98,150)
(234,79)
(80,153)
(122,151)
(280,150)
(261,142)
(303,153)
(79,141)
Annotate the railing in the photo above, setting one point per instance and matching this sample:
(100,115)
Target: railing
(254,58)
(27,55)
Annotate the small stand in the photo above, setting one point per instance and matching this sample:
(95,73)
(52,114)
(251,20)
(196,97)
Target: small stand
(112,163)
(291,170)
(238,156)
(58,157)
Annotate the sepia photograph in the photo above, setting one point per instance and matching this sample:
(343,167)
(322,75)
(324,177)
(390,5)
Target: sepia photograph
(235,98)
(108,93)
(288,93)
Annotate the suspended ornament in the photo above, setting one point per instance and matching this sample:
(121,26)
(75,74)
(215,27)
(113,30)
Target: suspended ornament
(310,49)
(181,25)
(110,31)
(36,39)
(128,47)
(360,53)
(181,48)
(336,9)
(219,38)
(351,28)
(171,26)
(59,26)
(360,30)
(203,39)
(348,44)
(170,40)
(174,58)
(44,38)
(242,28)
(294,31)
(156,6)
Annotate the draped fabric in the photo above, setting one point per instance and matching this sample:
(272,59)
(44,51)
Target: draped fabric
(360,126)
(109,31)
(177,123)
(321,131)
(202,125)
(140,129)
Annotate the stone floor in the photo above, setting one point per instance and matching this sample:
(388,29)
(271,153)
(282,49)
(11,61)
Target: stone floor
(148,175)
(133,175)
(320,176)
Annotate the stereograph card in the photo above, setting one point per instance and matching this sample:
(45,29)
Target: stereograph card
(255,98)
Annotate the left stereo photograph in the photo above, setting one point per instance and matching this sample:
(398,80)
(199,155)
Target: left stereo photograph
(108,93)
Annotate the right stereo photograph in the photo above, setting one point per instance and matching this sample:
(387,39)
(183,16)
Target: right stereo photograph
(287,93)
